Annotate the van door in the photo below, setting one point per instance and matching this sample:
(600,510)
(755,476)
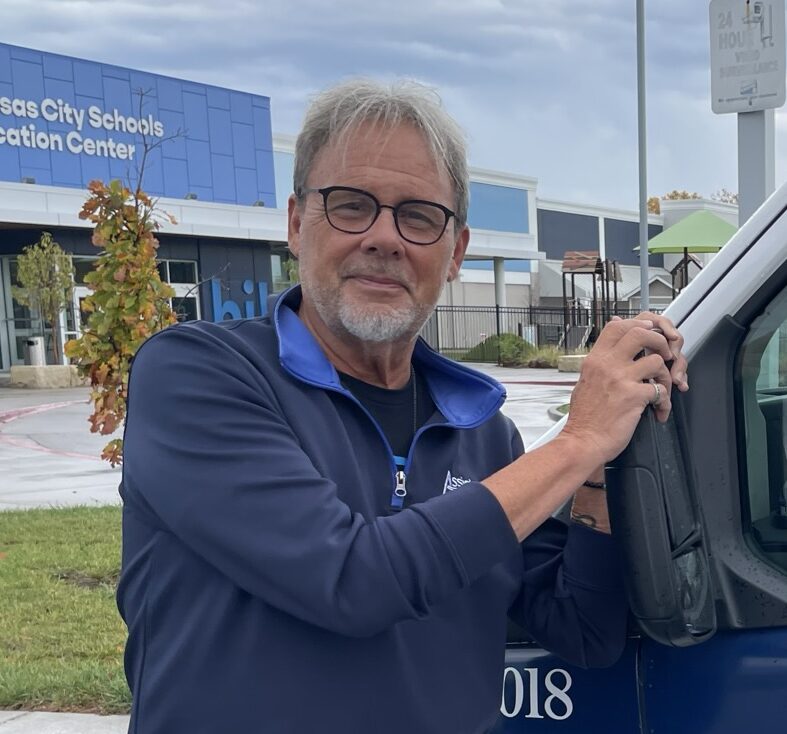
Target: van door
(732,438)
(542,693)
(735,427)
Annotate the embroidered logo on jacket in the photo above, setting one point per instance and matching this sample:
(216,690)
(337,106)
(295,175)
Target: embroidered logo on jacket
(452,483)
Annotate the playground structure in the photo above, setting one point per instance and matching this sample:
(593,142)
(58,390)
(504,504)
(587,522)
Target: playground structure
(581,325)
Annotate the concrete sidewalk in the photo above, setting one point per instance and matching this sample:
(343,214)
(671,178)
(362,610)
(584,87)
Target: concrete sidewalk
(48,458)
(23,722)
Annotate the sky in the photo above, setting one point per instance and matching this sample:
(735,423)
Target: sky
(542,89)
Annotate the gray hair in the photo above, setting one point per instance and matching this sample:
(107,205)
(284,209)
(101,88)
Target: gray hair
(339,110)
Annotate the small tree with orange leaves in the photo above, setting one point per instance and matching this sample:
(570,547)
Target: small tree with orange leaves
(128,303)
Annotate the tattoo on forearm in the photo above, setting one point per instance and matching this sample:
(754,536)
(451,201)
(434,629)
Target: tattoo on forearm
(587,520)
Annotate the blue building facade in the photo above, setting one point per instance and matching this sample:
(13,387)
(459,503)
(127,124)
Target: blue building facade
(66,121)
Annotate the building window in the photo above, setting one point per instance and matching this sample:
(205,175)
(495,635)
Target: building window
(182,271)
(82,266)
(284,268)
(186,309)
(181,275)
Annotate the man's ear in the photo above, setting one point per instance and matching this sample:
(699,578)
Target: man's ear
(458,255)
(294,220)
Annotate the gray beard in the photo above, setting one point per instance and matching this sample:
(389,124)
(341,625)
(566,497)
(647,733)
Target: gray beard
(365,322)
(369,325)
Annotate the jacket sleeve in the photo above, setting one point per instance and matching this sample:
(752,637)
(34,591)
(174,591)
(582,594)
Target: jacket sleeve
(209,459)
(572,600)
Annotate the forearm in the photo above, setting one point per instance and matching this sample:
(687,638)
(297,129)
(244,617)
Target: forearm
(531,488)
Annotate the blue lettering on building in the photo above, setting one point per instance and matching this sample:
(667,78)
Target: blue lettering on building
(229,309)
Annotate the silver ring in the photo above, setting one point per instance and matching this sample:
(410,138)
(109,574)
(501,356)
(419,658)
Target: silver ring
(657,396)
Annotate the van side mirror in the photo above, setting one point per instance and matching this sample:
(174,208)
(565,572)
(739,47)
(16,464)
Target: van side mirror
(656,519)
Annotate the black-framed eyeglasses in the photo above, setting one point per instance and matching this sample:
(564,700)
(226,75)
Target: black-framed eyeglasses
(354,211)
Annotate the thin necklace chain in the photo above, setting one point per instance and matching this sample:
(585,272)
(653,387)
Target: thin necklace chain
(415,398)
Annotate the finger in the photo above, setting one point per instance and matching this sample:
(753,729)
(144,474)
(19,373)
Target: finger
(652,365)
(657,391)
(615,330)
(649,367)
(663,407)
(635,341)
(678,372)
(671,334)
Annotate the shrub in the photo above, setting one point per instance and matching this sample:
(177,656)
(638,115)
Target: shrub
(512,350)
(545,358)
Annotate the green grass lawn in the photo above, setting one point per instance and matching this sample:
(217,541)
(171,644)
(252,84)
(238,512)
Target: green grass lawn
(61,638)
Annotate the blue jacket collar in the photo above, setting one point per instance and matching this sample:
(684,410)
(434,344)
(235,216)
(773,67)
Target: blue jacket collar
(465,397)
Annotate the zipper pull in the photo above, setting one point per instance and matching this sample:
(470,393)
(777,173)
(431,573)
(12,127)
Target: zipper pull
(400,490)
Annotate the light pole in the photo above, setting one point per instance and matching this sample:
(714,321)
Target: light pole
(643,160)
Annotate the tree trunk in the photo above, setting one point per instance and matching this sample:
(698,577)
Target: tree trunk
(55,345)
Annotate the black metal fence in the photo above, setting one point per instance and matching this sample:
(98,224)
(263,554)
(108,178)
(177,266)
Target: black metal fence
(463,332)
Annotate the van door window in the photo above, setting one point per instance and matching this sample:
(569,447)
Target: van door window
(762,397)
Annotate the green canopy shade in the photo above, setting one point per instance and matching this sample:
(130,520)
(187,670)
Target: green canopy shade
(699,232)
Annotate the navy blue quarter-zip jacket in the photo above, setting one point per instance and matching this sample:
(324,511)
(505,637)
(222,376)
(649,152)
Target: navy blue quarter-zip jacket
(270,584)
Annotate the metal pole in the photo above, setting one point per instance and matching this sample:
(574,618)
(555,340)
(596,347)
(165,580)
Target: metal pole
(499,265)
(643,159)
(497,327)
(565,314)
(615,276)
(756,161)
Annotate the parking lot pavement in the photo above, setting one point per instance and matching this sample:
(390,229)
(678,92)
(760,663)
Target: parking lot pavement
(49,458)
(531,393)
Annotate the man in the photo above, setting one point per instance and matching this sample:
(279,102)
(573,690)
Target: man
(292,559)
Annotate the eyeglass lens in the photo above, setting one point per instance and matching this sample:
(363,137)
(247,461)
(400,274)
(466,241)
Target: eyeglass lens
(355,212)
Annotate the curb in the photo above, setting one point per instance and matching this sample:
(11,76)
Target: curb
(555,414)
(11,415)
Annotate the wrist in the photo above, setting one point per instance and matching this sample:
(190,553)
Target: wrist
(594,485)
(583,453)
(589,508)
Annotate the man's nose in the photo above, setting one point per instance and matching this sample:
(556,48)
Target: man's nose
(383,237)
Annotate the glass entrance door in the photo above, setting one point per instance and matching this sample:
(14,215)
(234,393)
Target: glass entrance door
(74,319)
(18,322)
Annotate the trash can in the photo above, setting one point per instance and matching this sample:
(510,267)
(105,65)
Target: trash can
(34,351)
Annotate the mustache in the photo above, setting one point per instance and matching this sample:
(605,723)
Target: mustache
(385,271)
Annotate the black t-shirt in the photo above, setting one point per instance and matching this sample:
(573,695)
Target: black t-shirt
(394,409)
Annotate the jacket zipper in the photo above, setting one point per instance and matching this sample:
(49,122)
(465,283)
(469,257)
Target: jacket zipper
(400,463)
(400,488)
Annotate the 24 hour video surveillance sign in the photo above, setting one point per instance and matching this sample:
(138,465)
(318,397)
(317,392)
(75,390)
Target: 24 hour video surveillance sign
(747,55)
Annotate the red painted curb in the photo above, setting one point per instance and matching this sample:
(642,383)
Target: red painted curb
(11,415)
(559,383)
(20,442)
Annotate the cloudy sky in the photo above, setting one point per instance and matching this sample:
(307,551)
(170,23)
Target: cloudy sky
(543,89)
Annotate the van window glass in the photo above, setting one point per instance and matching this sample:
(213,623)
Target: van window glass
(762,385)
